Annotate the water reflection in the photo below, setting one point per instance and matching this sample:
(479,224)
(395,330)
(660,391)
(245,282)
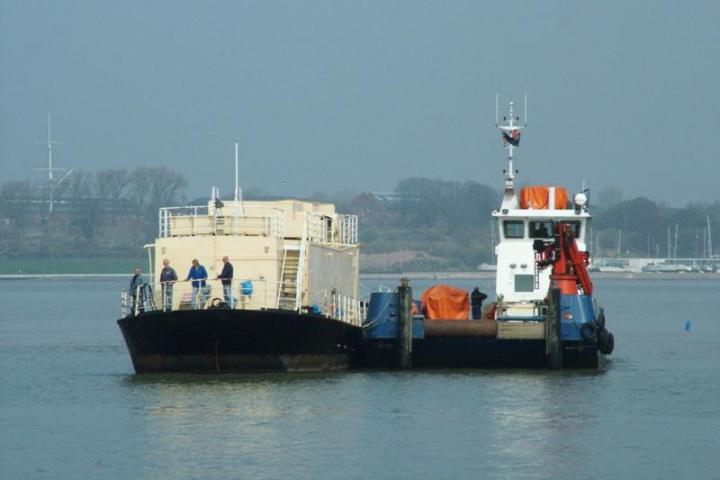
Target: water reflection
(256,418)
(70,411)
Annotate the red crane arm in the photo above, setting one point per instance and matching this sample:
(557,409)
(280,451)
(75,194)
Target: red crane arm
(578,259)
(566,259)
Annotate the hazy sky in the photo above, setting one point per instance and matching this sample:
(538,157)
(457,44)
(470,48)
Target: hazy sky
(352,95)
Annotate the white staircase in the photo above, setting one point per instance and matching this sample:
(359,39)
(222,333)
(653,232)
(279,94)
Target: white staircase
(288,288)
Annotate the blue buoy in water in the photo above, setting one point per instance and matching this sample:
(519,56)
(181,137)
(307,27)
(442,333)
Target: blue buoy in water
(688,325)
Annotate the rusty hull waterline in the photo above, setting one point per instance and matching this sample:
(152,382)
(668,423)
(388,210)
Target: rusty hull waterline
(461,328)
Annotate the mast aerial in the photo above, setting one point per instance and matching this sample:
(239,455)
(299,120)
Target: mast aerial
(237,179)
(511,130)
(238,189)
(50,170)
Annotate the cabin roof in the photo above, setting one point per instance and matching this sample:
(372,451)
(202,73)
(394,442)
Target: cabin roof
(529,213)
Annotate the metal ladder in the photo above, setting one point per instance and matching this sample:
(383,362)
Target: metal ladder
(288,288)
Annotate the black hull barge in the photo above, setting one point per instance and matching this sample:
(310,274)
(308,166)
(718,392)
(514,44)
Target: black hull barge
(272,286)
(238,341)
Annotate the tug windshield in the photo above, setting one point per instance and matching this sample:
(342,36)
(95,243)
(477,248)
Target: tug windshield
(546,228)
(541,229)
(514,229)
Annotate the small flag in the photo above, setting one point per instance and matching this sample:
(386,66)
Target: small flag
(513,139)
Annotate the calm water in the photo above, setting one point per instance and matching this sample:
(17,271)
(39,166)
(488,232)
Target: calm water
(70,406)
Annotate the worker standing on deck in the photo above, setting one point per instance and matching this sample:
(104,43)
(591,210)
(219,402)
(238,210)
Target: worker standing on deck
(226,277)
(136,293)
(167,278)
(476,300)
(198,275)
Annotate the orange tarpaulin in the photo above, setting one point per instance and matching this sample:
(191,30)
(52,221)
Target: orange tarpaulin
(538,198)
(445,302)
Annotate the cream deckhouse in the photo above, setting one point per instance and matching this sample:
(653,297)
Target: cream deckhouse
(286,254)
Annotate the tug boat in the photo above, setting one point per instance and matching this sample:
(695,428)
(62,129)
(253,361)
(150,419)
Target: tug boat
(544,314)
(293,304)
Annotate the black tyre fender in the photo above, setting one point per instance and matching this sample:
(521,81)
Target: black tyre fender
(588,330)
(605,342)
(600,320)
(610,344)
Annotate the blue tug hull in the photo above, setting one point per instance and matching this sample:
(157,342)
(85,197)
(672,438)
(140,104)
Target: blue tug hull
(472,352)
(474,343)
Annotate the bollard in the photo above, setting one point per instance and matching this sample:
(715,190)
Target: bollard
(405,323)
(553,346)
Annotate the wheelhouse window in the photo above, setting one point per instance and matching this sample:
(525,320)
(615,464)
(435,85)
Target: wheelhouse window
(576,227)
(546,228)
(514,229)
(524,283)
(541,229)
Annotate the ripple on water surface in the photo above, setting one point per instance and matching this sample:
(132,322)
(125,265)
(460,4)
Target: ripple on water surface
(71,408)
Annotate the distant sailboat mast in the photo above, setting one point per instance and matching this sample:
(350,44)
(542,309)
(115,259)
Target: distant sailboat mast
(709,238)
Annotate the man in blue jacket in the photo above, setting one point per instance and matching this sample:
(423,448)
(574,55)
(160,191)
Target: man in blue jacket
(198,275)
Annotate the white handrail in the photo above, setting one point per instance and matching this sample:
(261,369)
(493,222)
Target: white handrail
(301,264)
(151,297)
(282,274)
(203,220)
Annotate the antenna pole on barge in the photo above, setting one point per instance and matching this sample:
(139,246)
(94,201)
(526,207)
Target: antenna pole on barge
(237,182)
(238,190)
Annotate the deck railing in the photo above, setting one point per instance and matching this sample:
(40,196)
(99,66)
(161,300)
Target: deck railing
(320,229)
(250,294)
(348,229)
(348,309)
(232,220)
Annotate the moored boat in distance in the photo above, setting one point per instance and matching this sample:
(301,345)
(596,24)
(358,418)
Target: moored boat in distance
(292,305)
(664,267)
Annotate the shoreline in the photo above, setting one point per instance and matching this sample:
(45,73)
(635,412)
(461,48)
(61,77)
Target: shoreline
(480,275)
(468,275)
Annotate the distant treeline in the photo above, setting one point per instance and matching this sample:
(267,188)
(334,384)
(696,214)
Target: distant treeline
(104,213)
(422,224)
(426,225)
(447,226)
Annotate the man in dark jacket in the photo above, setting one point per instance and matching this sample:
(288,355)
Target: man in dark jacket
(167,278)
(226,277)
(476,300)
(135,290)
